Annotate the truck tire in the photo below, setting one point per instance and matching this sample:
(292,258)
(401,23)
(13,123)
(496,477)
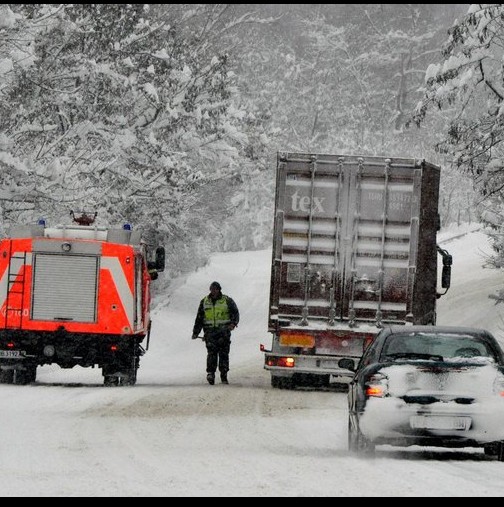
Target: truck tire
(312,380)
(131,371)
(275,382)
(278,382)
(131,377)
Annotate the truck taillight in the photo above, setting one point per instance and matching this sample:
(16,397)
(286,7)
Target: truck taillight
(11,345)
(114,348)
(284,362)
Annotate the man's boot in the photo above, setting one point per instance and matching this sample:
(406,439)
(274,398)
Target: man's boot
(223,377)
(211,378)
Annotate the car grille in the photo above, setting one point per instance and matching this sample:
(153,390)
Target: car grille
(427,399)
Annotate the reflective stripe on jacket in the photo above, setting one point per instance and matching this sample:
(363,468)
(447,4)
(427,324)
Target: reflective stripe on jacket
(216,313)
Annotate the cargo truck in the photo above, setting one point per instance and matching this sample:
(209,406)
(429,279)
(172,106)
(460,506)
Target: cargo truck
(354,248)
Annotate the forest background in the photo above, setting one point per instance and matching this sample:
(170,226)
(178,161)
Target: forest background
(170,116)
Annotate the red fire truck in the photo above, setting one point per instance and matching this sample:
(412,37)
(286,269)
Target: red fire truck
(75,294)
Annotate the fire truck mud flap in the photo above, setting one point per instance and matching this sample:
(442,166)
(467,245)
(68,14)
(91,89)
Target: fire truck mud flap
(125,374)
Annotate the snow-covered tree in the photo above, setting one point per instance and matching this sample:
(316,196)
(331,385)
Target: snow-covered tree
(170,115)
(110,108)
(344,77)
(467,86)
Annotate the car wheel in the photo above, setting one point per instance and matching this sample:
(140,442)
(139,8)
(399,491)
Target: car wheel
(357,442)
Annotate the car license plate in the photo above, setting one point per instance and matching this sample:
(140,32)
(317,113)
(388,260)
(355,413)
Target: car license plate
(332,365)
(9,354)
(436,422)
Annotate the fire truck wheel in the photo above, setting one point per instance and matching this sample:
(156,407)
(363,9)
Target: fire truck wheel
(131,371)
(125,376)
(24,376)
(6,376)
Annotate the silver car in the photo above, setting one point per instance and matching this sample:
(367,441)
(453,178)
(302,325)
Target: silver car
(429,386)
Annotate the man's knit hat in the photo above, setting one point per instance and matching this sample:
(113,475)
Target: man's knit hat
(216,285)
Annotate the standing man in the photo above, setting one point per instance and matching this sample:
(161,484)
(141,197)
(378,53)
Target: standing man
(217,315)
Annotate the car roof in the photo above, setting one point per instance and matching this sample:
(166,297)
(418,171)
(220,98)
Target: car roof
(436,329)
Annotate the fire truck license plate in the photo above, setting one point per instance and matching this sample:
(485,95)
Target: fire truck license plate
(11,353)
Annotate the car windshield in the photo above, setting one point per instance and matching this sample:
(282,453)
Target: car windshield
(435,346)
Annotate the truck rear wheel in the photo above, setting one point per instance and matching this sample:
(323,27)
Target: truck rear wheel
(312,380)
(278,382)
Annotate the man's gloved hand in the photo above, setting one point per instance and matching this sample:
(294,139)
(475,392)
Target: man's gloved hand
(194,336)
(232,326)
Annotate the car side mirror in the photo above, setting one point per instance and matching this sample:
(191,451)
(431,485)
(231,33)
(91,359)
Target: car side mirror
(347,364)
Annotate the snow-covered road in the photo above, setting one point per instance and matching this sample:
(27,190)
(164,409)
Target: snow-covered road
(174,435)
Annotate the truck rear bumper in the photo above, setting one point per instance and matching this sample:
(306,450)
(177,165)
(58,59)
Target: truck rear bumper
(289,364)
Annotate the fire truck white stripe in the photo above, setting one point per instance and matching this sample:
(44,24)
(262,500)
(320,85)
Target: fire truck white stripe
(121,283)
(14,271)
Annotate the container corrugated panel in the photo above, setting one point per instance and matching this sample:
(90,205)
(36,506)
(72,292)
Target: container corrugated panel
(354,240)
(64,288)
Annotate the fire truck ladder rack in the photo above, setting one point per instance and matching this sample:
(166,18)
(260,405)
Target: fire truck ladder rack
(15,291)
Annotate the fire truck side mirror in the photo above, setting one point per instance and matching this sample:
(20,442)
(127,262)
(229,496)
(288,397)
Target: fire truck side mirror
(160,258)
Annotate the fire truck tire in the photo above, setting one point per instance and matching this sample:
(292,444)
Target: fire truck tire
(24,376)
(6,376)
(127,376)
(119,380)
(130,378)
(131,372)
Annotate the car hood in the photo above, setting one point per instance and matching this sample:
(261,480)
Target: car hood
(446,379)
